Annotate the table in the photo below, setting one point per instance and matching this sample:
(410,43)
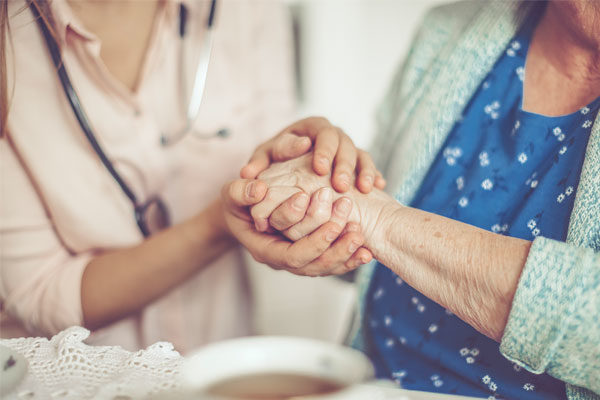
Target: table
(66,368)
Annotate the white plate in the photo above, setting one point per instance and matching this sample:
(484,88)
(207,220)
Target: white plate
(273,367)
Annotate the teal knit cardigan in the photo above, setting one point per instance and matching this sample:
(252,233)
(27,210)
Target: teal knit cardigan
(554,323)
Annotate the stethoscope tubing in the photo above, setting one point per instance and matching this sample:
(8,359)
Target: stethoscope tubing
(75,103)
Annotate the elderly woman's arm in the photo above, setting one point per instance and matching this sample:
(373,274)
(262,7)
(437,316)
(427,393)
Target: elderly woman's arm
(540,299)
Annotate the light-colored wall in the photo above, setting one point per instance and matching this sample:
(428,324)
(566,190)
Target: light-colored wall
(349,50)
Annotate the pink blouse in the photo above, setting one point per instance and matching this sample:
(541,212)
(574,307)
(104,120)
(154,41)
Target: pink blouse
(59,206)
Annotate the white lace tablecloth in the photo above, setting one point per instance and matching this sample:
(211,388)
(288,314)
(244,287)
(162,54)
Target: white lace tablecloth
(66,368)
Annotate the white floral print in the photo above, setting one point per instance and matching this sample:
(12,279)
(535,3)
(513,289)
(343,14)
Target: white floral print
(436,380)
(492,109)
(487,184)
(451,154)
(484,159)
(520,73)
(562,150)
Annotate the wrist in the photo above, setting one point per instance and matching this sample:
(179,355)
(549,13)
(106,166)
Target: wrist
(376,214)
(209,222)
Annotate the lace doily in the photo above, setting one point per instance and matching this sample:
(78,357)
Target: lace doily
(66,368)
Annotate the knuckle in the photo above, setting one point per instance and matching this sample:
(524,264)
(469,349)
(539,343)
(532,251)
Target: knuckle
(276,223)
(348,266)
(325,261)
(322,245)
(293,261)
(319,120)
(258,257)
(356,237)
(293,234)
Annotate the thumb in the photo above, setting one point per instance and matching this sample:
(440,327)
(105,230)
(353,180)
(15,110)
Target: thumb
(243,192)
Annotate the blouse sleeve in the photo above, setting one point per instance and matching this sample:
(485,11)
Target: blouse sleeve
(40,280)
(554,323)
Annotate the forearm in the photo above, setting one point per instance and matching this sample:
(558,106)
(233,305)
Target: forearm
(471,272)
(118,283)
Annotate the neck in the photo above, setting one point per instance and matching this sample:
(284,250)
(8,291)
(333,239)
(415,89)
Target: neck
(571,37)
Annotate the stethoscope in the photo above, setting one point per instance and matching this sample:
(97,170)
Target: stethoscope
(195,100)
(191,112)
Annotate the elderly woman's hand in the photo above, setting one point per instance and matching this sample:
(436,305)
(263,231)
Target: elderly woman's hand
(286,207)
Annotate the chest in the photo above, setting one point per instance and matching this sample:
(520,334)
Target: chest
(125,30)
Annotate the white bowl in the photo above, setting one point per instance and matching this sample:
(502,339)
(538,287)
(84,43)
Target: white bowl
(272,367)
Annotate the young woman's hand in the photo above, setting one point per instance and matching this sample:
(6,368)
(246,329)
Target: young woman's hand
(332,148)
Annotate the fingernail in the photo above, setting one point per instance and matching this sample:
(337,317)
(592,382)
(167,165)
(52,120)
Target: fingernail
(353,246)
(331,235)
(251,190)
(343,206)
(345,178)
(300,202)
(352,227)
(364,259)
(325,194)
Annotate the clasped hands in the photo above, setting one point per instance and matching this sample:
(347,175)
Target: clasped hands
(298,215)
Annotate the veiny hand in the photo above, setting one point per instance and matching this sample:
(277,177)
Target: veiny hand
(286,207)
(332,248)
(332,147)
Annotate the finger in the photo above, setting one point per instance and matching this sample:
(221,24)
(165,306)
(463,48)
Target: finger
(288,146)
(310,247)
(345,163)
(326,147)
(274,197)
(309,127)
(335,257)
(379,181)
(366,172)
(319,212)
(341,211)
(359,258)
(243,192)
(259,161)
(351,227)
(290,212)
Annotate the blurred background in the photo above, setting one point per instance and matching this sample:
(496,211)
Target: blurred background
(347,52)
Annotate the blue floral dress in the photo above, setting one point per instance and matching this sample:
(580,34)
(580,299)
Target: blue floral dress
(502,169)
